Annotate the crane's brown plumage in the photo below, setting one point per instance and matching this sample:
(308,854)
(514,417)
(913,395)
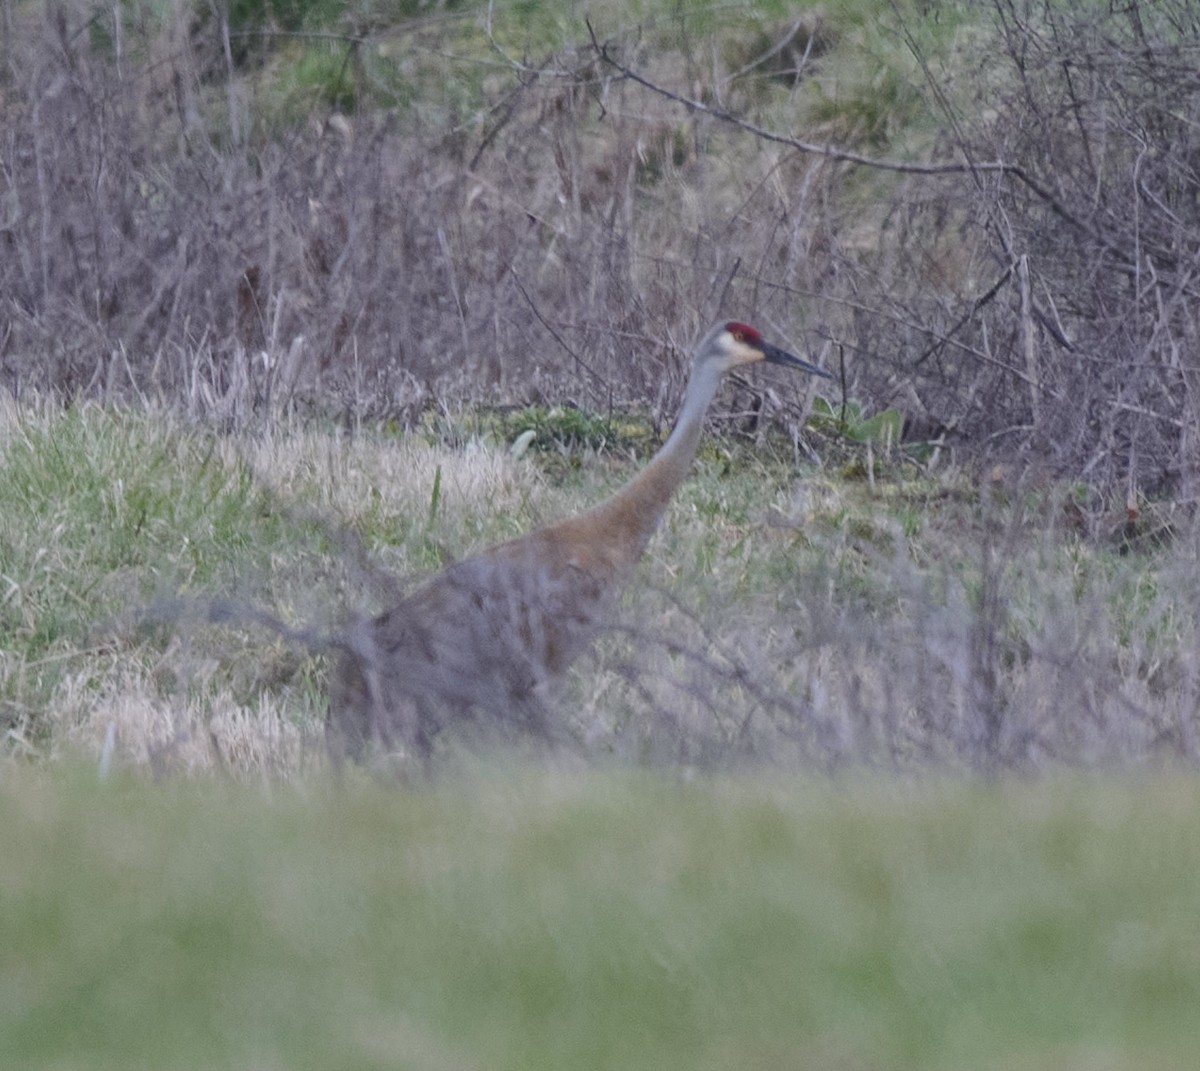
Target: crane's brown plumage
(484,636)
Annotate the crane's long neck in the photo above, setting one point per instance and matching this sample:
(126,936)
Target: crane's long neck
(635,512)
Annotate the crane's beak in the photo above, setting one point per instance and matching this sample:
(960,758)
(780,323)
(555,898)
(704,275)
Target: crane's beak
(775,355)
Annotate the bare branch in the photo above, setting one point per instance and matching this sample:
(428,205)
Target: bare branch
(828,151)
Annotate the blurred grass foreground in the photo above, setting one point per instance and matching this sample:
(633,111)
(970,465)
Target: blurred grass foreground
(542,919)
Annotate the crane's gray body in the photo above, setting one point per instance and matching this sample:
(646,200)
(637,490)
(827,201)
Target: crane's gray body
(484,638)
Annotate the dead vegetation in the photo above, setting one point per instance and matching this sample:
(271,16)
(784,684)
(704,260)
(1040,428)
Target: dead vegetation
(810,622)
(1020,280)
(1006,256)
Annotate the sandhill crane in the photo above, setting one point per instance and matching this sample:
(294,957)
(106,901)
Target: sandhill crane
(486,634)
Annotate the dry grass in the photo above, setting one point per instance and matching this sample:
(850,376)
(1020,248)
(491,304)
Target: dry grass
(407,231)
(782,616)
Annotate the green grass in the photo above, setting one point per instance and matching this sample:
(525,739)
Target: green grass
(852,603)
(99,513)
(524,917)
(452,62)
(105,512)
(531,919)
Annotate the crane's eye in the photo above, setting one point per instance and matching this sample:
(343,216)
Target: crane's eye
(739,336)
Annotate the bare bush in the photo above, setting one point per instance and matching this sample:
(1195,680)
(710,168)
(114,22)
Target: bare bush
(571,236)
(153,249)
(1072,334)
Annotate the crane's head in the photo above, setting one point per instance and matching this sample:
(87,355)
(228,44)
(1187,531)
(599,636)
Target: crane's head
(735,343)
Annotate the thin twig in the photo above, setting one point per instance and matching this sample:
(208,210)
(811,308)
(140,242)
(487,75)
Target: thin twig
(556,336)
(976,305)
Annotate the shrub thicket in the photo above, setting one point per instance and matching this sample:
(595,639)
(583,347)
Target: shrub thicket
(1082,351)
(558,229)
